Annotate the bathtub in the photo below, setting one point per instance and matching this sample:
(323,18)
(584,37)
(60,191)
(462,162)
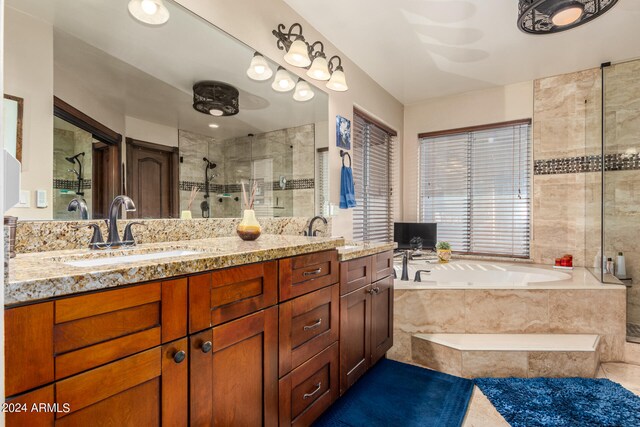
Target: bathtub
(465,274)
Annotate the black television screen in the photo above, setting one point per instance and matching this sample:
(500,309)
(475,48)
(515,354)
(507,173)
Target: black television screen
(404,232)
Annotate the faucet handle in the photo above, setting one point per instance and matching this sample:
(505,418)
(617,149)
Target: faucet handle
(128,238)
(96,238)
(417,278)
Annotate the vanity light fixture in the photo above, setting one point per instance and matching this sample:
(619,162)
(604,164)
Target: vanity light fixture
(303,91)
(319,69)
(292,41)
(215,98)
(283,81)
(152,12)
(259,68)
(553,16)
(338,81)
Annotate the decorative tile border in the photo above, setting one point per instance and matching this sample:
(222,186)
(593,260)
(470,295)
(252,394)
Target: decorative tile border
(583,164)
(70,184)
(292,184)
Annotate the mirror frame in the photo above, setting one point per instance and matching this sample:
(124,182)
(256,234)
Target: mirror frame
(20,102)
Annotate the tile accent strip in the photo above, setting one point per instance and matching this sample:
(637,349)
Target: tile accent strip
(70,184)
(582,164)
(292,184)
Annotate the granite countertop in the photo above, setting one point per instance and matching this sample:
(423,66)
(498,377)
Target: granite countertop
(353,250)
(43,275)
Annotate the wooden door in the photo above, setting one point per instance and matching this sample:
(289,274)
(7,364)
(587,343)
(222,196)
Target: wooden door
(152,179)
(234,373)
(355,337)
(106,183)
(381,318)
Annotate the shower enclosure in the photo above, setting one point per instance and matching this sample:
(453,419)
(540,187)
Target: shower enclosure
(613,190)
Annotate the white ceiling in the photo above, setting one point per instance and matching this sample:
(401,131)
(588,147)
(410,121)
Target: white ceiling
(420,49)
(148,72)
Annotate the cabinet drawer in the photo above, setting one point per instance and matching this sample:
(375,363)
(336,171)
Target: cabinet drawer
(306,273)
(355,274)
(308,324)
(228,294)
(382,265)
(310,389)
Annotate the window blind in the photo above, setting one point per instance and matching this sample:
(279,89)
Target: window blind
(372,175)
(476,186)
(323,181)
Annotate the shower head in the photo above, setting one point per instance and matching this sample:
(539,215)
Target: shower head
(210,165)
(72,159)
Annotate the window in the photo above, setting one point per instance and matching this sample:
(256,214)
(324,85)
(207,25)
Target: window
(323,181)
(372,175)
(475,183)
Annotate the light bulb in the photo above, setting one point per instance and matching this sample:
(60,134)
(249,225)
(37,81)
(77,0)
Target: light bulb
(149,7)
(215,112)
(259,69)
(283,83)
(567,16)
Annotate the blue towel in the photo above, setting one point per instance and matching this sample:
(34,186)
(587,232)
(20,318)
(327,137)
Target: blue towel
(347,190)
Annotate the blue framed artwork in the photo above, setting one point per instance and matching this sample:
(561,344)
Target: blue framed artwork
(343,133)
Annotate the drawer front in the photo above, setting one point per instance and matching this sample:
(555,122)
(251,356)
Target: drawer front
(382,266)
(310,389)
(308,324)
(216,298)
(306,273)
(355,274)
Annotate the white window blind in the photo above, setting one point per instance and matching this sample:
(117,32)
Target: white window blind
(476,186)
(372,176)
(323,181)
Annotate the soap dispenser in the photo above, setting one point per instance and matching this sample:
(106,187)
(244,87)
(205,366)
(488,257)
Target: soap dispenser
(621,270)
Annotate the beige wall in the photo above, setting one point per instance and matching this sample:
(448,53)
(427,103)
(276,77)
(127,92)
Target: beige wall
(493,105)
(252,22)
(28,73)
(143,130)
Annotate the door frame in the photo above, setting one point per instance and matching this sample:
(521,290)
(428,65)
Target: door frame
(174,177)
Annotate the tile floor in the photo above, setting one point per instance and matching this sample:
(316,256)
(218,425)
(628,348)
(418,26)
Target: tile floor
(481,412)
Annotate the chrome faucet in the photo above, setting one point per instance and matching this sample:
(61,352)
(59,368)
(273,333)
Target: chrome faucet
(78,204)
(113,238)
(311,231)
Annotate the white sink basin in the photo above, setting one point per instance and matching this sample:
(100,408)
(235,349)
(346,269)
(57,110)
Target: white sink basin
(124,259)
(349,247)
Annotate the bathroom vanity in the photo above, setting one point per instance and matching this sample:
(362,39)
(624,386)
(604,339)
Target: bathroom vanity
(269,336)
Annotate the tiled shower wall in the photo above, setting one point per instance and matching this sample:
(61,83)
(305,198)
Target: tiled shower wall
(288,153)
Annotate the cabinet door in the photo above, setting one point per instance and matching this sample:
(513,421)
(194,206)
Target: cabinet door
(381,318)
(355,337)
(234,372)
(382,265)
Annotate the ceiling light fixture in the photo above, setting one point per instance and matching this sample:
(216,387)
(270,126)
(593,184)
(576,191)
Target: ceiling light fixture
(215,98)
(303,91)
(283,81)
(338,80)
(553,16)
(152,12)
(259,68)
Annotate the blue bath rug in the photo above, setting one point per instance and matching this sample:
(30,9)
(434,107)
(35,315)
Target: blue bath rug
(570,402)
(400,395)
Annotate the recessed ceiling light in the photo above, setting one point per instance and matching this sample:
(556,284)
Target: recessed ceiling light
(214,125)
(152,12)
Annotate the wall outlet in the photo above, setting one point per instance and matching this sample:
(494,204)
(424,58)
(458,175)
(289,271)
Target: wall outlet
(41,198)
(24,200)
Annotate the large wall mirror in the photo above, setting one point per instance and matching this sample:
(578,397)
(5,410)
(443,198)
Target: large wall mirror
(109,109)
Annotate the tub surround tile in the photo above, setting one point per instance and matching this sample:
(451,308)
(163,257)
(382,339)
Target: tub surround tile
(40,275)
(437,357)
(588,311)
(632,353)
(563,364)
(476,364)
(401,350)
(506,311)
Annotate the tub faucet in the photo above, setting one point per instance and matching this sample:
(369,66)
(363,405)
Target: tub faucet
(417,277)
(406,256)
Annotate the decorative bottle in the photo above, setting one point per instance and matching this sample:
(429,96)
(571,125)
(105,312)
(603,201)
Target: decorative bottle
(249,228)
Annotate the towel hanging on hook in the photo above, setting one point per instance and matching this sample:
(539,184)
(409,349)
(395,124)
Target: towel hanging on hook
(343,154)
(347,188)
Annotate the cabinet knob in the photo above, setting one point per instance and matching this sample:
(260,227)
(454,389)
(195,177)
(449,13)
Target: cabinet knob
(206,347)
(371,291)
(179,356)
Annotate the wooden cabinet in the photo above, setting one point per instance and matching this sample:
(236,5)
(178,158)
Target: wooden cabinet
(234,372)
(306,273)
(366,315)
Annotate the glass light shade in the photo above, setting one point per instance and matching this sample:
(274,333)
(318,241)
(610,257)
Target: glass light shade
(152,12)
(283,81)
(216,112)
(303,91)
(319,69)
(338,81)
(259,68)
(298,54)
(567,16)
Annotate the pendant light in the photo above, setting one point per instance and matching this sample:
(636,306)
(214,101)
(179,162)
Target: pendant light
(319,69)
(283,81)
(259,68)
(152,12)
(298,53)
(303,91)
(553,16)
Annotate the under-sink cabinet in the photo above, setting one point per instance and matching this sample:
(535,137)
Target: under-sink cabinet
(258,344)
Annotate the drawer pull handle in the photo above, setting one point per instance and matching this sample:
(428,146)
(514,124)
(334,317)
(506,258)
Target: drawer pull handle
(313,273)
(206,347)
(308,395)
(179,356)
(315,325)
